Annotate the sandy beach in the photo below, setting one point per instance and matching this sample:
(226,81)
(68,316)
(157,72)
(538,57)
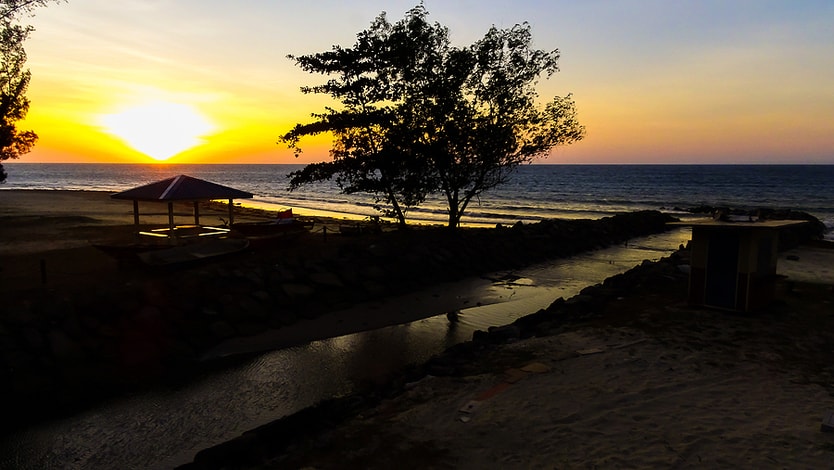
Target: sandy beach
(62,227)
(603,397)
(643,381)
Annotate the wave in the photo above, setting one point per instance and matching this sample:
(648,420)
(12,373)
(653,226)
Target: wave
(534,192)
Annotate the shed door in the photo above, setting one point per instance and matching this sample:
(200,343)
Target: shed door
(722,270)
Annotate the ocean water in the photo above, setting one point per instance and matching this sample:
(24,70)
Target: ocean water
(535,192)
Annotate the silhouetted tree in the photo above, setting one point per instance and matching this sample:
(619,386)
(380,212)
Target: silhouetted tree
(14,79)
(364,159)
(420,116)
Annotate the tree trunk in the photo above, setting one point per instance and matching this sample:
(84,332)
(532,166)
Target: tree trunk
(397,209)
(454,213)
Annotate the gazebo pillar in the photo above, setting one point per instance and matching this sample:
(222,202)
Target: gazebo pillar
(196,212)
(171,219)
(136,212)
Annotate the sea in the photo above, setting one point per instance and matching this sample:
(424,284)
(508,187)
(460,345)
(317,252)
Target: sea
(533,193)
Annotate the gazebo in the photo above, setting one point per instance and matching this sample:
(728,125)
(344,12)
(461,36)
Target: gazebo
(182,188)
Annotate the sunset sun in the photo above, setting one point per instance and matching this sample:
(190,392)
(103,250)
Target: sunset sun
(158,129)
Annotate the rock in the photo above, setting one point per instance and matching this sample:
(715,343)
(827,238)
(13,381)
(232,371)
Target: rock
(503,334)
(480,336)
(65,350)
(250,328)
(580,300)
(373,272)
(262,296)
(374,289)
(250,308)
(298,292)
(591,290)
(281,274)
(20,360)
(325,278)
(441,370)
(378,251)
(32,382)
(7,341)
(283,317)
(222,330)
(245,449)
(20,315)
(33,339)
(209,311)
(254,277)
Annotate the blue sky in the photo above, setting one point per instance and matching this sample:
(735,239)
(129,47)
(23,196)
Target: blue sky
(654,81)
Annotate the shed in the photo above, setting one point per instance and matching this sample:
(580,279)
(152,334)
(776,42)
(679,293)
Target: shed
(181,188)
(733,264)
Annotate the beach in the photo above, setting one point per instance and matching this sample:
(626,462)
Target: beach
(732,395)
(639,380)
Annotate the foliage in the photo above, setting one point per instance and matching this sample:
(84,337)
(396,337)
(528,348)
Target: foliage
(420,116)
(14,79)
(364,158)
(11,10)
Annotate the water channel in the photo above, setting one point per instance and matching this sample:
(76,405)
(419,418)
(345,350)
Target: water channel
(166,427)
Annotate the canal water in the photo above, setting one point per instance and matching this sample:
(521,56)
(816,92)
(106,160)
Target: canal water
(166,427)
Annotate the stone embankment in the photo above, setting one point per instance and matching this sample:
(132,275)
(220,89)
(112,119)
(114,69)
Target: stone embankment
(640,297)
(61,347)
(268,444)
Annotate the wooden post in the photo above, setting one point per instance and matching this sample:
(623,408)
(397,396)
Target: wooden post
(196,212)
(231,212)
(136,212)
(171,219)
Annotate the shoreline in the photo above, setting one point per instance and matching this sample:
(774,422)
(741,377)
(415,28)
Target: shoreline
(261,209)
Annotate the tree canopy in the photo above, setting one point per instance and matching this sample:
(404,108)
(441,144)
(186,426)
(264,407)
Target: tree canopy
(14,79)
(419,116)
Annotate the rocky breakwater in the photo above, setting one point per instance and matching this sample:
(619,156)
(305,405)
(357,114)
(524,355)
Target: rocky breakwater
(275,444)
(793,332)
(65,346)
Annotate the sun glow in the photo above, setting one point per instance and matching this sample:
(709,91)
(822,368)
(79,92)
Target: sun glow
(159,129)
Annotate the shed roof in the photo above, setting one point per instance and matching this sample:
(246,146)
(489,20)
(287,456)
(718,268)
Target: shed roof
(181,188)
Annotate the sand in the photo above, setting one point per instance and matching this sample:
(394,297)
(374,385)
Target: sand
(653,383)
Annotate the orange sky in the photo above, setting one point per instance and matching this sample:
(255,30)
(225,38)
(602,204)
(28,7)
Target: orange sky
(200,81)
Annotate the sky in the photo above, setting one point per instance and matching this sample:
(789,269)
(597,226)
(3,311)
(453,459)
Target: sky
(209,81)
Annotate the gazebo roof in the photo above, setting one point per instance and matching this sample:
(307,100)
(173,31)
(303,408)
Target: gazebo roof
(181,188)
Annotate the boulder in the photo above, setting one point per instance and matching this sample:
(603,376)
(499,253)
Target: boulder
(504,334)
